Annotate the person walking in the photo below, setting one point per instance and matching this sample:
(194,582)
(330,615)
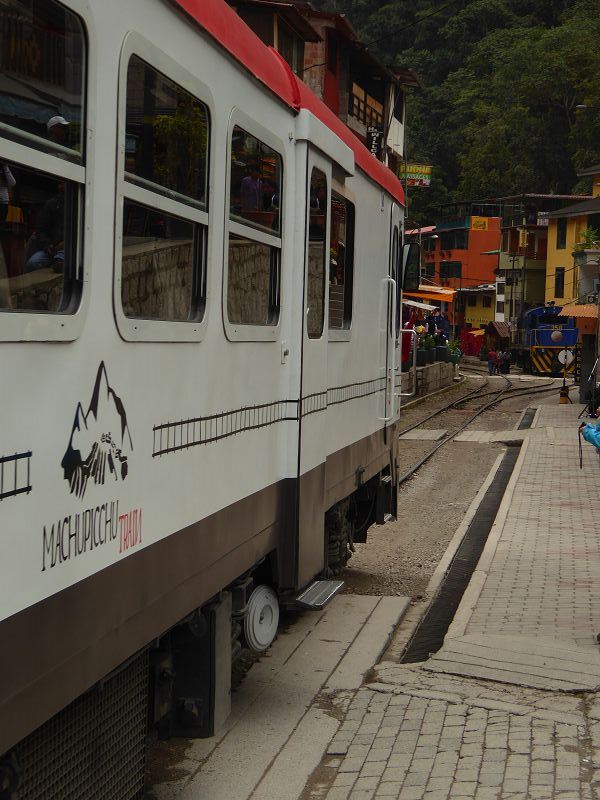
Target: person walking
(492,359)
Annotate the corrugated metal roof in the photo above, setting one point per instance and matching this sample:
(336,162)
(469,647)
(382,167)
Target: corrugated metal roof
(501,328)
(593,170)
(580,310)
(579,209)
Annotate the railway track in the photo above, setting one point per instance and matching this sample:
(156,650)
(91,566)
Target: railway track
(505,392)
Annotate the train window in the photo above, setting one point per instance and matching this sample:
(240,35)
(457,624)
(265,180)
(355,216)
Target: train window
(317,243)
(42,44)
(255,182)
(161,282)
(38,238)
(166,137)
(252,284)
(254,246)
(42,63)
(160,255)
(341,262)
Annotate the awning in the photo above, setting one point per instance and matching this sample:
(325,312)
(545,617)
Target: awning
(443,297)
(425,230)
(416,304)
(501,328)
(582,311)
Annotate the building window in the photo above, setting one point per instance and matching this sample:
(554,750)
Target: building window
(500,288)
(471,300)
(559,282)
(486,301)
(42,107)
(332,53)
(500,307)
(429,270)
(454,240)
(290,46)
(341,262)
(561,233)
(254,263)
(317,255)
(450,269)
(429,244)
(166,156)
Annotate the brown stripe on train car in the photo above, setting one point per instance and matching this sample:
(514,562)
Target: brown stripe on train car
(58,648)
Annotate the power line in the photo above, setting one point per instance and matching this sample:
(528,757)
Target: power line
(395,32)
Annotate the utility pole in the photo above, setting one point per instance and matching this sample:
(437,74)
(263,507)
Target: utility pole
(523,239)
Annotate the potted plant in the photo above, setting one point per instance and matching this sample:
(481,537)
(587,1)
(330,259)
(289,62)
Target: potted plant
(455,351)
(429,345)
(587,249)
(441,348)
(421,349)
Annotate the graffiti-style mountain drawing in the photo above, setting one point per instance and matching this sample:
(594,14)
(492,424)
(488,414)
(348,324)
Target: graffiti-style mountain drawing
(100,442)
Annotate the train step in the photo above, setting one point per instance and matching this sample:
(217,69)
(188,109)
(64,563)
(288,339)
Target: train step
(318,594)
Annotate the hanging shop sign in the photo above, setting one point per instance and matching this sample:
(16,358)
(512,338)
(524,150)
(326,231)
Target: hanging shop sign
(374,140)
(480,223)
(415,174)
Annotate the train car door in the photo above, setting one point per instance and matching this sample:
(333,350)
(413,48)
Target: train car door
(391,340)
(313,393)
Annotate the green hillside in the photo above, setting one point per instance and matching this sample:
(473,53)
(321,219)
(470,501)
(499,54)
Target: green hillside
(503,79)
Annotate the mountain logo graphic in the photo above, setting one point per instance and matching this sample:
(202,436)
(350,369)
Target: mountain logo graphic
(100,442)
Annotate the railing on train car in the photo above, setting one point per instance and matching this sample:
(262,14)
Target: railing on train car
(529,337)
(546,333)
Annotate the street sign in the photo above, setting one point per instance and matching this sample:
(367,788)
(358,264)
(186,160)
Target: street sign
(565,357)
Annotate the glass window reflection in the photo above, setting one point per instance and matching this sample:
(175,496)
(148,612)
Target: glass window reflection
(42,75)
(255,195)
(167,130)
(38,224)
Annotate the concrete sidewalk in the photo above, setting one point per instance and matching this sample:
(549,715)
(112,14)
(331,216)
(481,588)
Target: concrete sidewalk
(532,610)
(287,709)
(508,707)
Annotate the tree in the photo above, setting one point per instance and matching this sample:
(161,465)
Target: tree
(503,79)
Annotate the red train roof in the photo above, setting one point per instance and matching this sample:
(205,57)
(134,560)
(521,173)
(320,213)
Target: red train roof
(223,24)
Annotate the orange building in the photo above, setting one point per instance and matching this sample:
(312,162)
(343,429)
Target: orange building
(461,252)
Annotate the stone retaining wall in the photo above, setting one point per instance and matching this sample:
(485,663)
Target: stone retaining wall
(430,378)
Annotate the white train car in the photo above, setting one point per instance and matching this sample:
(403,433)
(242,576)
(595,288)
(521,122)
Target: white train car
(199,268)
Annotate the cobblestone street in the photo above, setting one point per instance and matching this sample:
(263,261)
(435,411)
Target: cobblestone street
(413,736)
(507,709)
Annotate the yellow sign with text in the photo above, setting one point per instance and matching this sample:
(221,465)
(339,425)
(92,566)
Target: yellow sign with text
(480,223)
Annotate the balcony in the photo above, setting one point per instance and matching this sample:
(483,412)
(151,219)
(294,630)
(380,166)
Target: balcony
(364,111)
(588,268)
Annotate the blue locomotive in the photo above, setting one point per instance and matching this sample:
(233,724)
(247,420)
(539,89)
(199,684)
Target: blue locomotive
(541,335)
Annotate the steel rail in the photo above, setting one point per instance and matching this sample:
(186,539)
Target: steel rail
(498,399)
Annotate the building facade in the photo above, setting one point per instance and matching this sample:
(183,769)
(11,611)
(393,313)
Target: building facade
(462,252)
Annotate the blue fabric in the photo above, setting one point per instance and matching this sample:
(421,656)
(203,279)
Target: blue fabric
(592,435)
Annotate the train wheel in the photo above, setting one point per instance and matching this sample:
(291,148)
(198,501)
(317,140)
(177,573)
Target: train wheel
(261,618)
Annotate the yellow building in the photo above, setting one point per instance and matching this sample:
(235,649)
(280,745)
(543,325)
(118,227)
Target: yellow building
(479,305)
(567,278)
